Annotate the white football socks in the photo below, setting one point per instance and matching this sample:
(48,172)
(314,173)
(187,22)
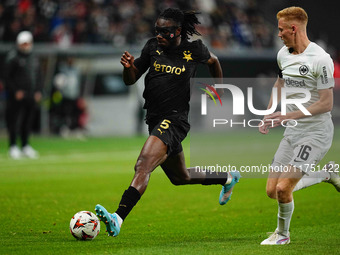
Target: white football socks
(230,178)
(311,179)
(120,220)
(284,216)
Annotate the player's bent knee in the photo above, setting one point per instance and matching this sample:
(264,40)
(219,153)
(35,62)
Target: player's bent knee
(271,193)
(282,191)
(176,182)
(180,181)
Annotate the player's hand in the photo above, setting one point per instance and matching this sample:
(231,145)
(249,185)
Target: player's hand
(272,120)
(127,59)
(211,92)
(263,129)
(216,93)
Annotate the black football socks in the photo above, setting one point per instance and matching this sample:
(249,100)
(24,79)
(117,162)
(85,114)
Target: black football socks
(128,201)
(215,178)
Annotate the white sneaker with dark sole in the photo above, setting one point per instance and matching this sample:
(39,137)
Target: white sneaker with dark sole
(276,239)
(333,171)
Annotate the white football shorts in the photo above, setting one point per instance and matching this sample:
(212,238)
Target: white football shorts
(304,150)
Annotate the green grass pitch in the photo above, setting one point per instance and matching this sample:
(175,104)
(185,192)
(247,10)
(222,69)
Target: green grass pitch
(39,197)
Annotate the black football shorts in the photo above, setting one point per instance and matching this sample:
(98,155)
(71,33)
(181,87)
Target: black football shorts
(171,129)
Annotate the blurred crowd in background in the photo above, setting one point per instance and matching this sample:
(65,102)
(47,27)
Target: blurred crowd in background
(225,23)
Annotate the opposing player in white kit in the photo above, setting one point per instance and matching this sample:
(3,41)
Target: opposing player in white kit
(305,65)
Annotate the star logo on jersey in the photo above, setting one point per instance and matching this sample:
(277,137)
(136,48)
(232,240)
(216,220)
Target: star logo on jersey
(187,55)
(303,70)
(159,52)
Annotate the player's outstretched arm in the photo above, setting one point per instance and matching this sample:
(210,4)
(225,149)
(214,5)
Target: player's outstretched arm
(215,70)
(130,72)
(324,104)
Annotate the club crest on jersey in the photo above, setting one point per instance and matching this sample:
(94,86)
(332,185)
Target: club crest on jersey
(168,68)
(303,70)
(187,55)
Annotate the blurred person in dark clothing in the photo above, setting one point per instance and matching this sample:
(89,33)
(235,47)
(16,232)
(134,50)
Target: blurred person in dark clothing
(71,107)
(11,30)
(23,94)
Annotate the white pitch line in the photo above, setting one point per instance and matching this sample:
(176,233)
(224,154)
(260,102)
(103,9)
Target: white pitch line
(73,157)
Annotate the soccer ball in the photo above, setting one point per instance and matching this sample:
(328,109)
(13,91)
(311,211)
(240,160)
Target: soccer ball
(84,225)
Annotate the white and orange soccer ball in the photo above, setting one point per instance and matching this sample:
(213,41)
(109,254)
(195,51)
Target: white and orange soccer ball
(84,225)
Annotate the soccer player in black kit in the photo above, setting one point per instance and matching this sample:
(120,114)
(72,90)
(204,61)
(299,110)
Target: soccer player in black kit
(172,61)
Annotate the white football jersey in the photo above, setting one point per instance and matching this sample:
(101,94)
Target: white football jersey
(313,70)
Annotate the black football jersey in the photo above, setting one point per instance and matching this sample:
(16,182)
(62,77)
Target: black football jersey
(167,83)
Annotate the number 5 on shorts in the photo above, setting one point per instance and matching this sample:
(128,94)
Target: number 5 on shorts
(165,124)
